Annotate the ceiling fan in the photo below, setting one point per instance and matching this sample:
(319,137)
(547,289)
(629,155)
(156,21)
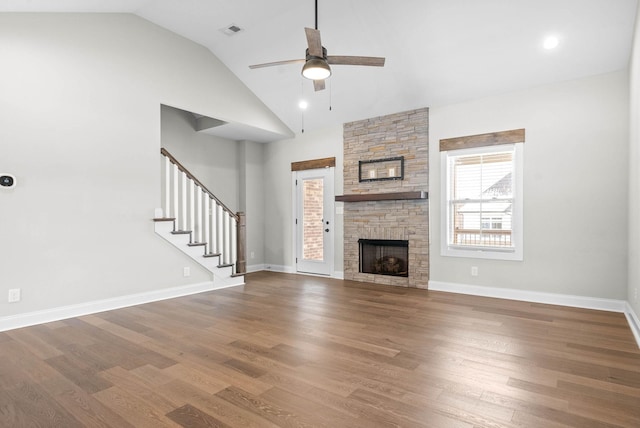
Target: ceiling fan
(316,64)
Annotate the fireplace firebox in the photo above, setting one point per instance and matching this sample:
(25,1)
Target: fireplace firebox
(384,257)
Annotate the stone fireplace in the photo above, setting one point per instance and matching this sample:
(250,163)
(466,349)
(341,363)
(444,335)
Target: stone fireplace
(389,209)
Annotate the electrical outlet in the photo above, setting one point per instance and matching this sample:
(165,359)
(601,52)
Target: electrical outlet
(253,255)
(474,270)
(186,271)
(14,295)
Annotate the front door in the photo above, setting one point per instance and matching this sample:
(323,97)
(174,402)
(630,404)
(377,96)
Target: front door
(314,221)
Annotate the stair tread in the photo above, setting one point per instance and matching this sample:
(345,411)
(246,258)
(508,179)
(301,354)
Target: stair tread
(164,219)
(235,275)
(196,244)
(181,232)
(226,265)
(212,255)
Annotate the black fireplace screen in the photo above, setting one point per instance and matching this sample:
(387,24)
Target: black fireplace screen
(384,256)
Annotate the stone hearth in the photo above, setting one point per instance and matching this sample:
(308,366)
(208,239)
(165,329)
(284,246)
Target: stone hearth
(402,134)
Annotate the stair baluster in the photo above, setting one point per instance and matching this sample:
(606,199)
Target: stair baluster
(176,196)
(220,234)
(207,223)
(167,187)
(213,223)
(183,202)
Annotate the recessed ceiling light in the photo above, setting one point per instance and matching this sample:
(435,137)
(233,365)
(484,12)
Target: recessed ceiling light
(303,105)
(551,42)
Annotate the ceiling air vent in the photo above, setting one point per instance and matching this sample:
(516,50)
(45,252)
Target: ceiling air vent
(231,30)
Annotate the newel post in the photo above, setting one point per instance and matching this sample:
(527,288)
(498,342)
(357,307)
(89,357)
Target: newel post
(241,240)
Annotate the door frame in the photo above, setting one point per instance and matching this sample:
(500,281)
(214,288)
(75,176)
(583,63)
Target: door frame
(330,238)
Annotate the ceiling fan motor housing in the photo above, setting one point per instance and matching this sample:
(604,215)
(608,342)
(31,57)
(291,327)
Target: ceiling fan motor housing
(324,54)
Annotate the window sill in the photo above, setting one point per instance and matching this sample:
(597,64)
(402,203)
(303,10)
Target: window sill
(477,253)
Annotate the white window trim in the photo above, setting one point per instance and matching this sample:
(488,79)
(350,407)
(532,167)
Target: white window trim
(515,253)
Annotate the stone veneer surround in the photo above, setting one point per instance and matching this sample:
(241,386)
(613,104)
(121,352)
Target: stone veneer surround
(401,134)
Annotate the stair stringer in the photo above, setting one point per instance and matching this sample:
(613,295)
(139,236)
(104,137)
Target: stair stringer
(222,275)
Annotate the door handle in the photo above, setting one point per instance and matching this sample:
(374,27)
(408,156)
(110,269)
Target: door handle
(326,230)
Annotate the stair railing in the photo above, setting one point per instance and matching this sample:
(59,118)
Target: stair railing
(198,211)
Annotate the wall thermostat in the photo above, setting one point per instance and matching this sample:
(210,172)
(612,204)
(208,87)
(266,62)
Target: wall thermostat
(7,181)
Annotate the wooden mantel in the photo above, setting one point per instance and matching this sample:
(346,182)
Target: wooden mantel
(395,196)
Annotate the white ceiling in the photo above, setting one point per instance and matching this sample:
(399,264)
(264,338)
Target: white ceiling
(438,52)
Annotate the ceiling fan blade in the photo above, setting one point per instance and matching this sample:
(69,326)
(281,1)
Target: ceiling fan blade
(271,64)
(373,61)
(313,40)
(318,85)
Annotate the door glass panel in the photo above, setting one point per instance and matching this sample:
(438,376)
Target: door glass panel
(313,237)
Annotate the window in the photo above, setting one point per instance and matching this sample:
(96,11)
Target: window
(482,202)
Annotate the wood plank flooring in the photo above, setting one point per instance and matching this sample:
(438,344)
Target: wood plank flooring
(298,351)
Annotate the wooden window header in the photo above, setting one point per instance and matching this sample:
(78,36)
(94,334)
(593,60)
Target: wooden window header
(313,164)
(483,140)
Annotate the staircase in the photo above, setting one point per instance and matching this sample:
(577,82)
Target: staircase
(201,226)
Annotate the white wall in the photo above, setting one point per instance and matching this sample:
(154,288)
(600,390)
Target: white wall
(277,188)
(252,201)
(80,128)
(575,186)
(634,174)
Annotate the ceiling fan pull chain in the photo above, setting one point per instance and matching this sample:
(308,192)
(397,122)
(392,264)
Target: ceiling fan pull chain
(316,14)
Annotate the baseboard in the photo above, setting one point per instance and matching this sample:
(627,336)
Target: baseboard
(634,322)
(611,305)
(256,268)
(287,269)
(64,312)
(279,268)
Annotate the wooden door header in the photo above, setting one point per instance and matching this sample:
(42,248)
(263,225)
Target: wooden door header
(313,164)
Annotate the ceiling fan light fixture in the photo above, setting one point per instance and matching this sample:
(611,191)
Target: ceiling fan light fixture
(316,69)
(551,42)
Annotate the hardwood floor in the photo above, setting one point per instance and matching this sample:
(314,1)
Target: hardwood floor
(297,351)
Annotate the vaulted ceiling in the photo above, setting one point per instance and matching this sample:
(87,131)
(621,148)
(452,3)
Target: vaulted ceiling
(438,52)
